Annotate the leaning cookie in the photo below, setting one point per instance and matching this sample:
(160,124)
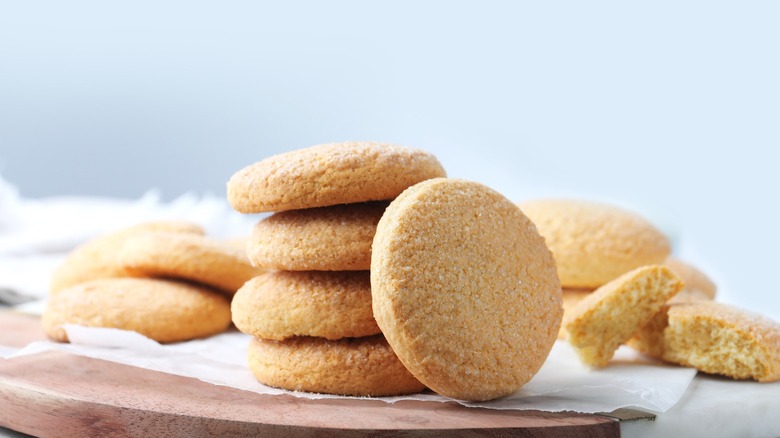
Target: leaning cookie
(283,304)
(595,243)
(336,238)
(715,338)
(610,315)
(355,366)
(165,311)
(188,257)
(464,289)
(97,258)
(330,174)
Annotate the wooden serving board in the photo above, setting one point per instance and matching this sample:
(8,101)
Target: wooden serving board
(62,395)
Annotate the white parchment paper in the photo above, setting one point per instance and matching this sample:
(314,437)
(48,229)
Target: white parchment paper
(563,383)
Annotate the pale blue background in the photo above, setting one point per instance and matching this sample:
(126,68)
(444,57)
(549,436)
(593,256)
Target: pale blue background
(669,109)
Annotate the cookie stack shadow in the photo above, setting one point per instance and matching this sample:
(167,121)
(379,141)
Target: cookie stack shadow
(310,314)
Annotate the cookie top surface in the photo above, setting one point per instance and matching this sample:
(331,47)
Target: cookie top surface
(189,257)
(330,174)
(166,311)
(464,289)
(335,238)
(282,304)
(610,315)
(97,258)
(356,366)
(594,243)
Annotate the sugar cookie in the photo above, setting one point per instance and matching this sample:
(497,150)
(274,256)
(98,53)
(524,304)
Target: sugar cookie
(282,304)
(189,257)
(355,366)
(336,238)
(610,315)
(715,338)
(464,289)
(595,243)
(330,174)
(97,257)
(165,311)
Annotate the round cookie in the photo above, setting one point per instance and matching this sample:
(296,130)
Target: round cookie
(330,174)
(595,243)
(282,304)
(698,287)
(97,258)
(165,311)
(188,257)
(336,238)
(356,366)
(464,289)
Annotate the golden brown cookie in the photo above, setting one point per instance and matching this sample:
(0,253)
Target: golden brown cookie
(353,366)
(610,315)
(165,311)
(595,243)
(571,298)
(282,304)
(464,289)
(715,338)
(188,257)
(97,258)
(336,238)
(330,174)
(698,287)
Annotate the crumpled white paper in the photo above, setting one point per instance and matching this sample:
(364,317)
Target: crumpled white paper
(563,383)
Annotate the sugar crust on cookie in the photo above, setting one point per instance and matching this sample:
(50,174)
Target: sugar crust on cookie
(330,174)
(283,304)
(464,289)
(355,366)
(335,238)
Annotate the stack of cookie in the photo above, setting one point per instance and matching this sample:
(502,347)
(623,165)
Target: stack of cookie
(311,314)
(166,280)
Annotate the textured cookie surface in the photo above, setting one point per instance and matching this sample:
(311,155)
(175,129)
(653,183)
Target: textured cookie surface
(698,287)
(464,289)
(715,338)
(356,366)
(595,243)
(97,258)
(282,304)
(336,238)
(610,315)
(165,311)
(330,174)
(189,257)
